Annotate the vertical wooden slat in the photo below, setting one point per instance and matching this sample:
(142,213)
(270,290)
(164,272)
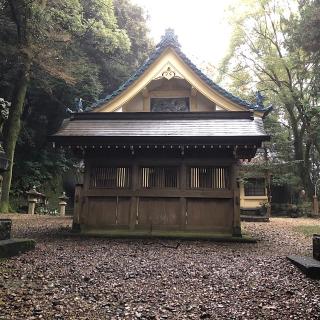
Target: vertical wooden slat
(208,178)
(158,177)
(110,177)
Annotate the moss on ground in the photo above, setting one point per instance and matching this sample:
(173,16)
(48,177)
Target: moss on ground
(308,230)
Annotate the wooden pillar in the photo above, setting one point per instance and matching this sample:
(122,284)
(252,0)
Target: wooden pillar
(236,227)
(84,214)
(183,200)
(77,206)
(134,200)
(133,213)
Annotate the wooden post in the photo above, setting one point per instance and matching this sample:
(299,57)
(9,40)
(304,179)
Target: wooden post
(77,206)
(183,200)
(133,213)
(236,228)
(134,199)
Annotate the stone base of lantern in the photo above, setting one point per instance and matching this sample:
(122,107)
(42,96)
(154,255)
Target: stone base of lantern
(32,206)
(62,210)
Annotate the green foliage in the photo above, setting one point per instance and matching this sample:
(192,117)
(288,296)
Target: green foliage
(307,34)
(265,55)
(75,49)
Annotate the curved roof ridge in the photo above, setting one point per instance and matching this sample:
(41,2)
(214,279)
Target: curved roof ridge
(170,39)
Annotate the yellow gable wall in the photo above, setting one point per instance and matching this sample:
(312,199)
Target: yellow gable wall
(170,88)
(137,96)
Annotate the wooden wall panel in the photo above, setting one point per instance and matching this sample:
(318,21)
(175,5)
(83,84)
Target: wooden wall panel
(159,213)
(123,212)
(101,212)
(210,214)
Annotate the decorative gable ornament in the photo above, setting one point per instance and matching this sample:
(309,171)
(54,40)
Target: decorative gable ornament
(168,74)
(169,62)
(168,71)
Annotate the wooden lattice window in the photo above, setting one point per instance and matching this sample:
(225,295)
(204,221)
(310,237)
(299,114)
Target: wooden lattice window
(110,177)
(208,178)
(159,177)
(255,187)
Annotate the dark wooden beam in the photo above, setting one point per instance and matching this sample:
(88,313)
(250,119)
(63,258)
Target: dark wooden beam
(161,115)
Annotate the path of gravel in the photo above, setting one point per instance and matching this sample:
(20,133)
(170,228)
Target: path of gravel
(73,278)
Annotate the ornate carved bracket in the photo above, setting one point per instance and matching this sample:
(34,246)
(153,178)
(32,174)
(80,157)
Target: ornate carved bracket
(168,71)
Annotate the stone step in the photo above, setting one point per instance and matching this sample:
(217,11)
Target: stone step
(308,265)
(248,218)
(12,247)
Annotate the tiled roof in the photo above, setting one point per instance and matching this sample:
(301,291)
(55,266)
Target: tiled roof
(166,125)
(170,40)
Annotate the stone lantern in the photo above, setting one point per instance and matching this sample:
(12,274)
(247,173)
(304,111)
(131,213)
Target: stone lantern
(63,203)
(33,198)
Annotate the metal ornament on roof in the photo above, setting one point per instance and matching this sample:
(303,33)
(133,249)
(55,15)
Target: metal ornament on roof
(169,39)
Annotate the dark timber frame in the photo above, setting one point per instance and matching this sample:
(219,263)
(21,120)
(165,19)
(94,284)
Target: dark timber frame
(160,208)
(200,194)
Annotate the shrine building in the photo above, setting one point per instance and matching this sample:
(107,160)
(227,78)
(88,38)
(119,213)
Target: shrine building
(162,152)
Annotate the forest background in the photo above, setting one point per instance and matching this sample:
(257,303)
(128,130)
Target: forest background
(57,55)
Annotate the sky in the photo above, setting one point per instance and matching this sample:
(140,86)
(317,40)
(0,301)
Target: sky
(201,26)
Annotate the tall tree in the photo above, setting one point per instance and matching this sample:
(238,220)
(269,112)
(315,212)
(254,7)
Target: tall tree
(263,50)
(51,38)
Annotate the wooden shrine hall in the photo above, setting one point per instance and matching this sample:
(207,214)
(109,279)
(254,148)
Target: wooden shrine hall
(162,152)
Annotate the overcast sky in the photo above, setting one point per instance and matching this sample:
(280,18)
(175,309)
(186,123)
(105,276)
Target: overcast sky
(201,25)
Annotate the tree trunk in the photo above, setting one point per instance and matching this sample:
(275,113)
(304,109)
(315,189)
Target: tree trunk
(307,170)
(13,128)
(301,153)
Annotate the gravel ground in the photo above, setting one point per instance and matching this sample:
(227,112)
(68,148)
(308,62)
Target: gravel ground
(73,278)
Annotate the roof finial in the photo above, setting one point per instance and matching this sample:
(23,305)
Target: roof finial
(169,39)
(260,99)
